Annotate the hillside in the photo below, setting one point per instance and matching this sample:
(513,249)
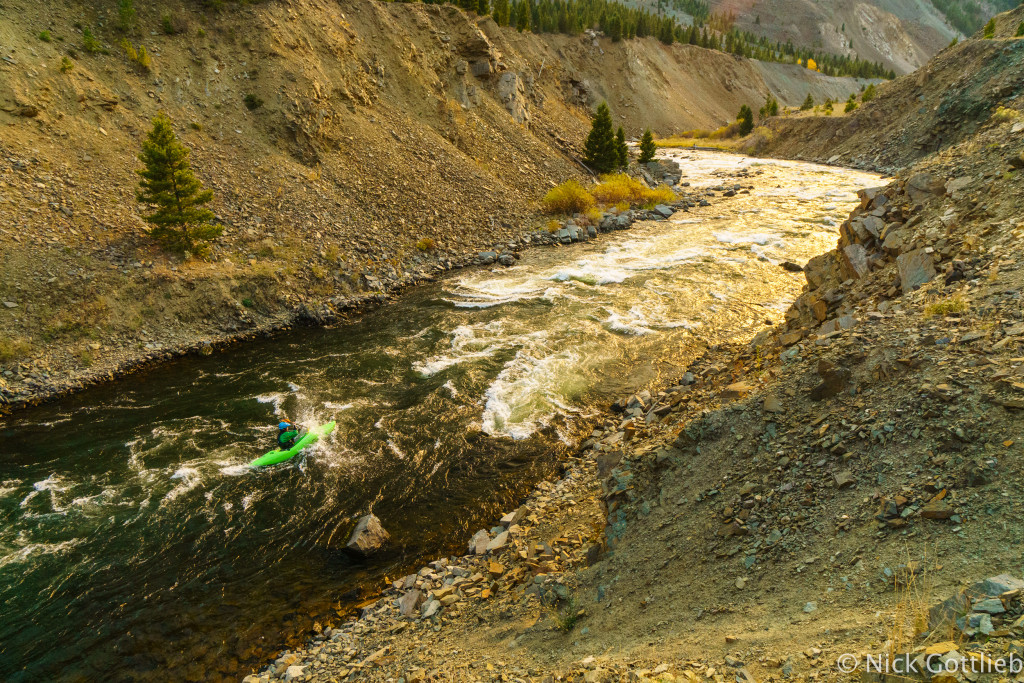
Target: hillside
(842,483)
(958,93)
(901,34)
(373,126)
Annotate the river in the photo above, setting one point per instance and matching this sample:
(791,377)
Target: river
(135,543)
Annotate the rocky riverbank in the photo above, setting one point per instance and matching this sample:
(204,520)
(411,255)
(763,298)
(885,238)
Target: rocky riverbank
(794,496)
(53,376)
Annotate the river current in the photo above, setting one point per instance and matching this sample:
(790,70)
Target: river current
(135,543)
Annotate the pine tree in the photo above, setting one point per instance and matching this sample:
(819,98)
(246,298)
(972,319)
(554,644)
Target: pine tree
(483,7)
(600,151)
(746,120)
(1020,30)
(615,28)
(808,103)
(621,148)
(990,29)
(647,147)
(851,104)
(180,221)
(868,94)
(502,12)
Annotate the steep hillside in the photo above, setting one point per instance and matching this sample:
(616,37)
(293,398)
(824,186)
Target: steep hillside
(957,94)
(902,34)
(337,137)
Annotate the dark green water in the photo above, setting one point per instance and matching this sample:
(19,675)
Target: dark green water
(136,545)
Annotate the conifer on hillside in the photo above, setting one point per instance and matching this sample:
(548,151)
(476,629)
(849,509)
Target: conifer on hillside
(746,120)
(180,221)
(600,152)
(808,103)
(647,147)
(621,148)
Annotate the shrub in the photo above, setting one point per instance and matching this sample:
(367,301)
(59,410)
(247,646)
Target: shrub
(138,57)
(568,198)
(851,104)
(126,15)
(553,226)
(954,305)
(12,349)
(990,29)
(66,65)
(252,102)
(180,220)
(45,36)
(808,103)
(1003,115)
(171,24)
(662,194)
(868,94)
(770,108)
(594,215)
(618,187)
(426,244)
(647,147)
(90,43)
(827,107)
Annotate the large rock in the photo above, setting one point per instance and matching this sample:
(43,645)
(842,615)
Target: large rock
(855,261)
(916,268)
(368,537)
(409,603)
(817,269)
(923,186)
(478,544)
(512,93)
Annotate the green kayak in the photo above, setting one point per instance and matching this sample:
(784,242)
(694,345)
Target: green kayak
(307,439)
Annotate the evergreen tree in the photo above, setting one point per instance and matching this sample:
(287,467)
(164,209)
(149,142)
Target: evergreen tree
(868,94)
(180,221)
(615,28)
(483,7)
(647,147)
(621,147)
(600,151)
(990,29)
(851,104)
(770,108)
(1020,30)
(746,120)
(808,103)
(502,12)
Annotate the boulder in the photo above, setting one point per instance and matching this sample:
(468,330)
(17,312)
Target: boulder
(478,544)
(487,257)
(854,261)
(916,268)
(368,537)
(664,211)
(923,186)
(409,603)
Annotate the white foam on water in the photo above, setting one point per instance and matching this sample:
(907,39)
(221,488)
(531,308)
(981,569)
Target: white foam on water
(633,323)
(468,342)
(762,238)
(235,470)
(396,450)
(339,406)
(190,479)
(27,552)
(720,296)
(521,398)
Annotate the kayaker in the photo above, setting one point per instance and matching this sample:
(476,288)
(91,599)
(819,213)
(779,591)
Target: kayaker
(286,435)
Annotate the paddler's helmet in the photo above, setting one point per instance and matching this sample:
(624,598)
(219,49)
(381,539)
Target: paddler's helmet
(283,425)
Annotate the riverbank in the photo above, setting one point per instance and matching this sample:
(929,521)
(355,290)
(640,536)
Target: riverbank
(24,385)
(805,492)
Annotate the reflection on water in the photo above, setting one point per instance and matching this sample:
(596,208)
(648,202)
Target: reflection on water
(135,543)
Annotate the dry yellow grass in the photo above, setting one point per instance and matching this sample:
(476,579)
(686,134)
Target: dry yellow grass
(569,197)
